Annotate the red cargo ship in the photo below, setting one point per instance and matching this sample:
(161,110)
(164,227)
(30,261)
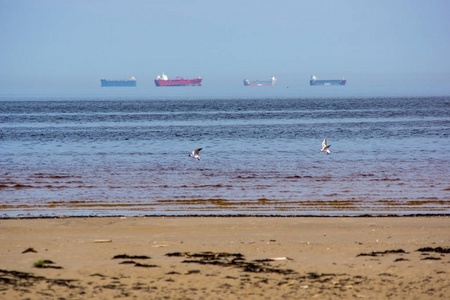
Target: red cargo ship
(163,80)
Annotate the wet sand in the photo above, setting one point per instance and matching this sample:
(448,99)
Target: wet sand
(225,258)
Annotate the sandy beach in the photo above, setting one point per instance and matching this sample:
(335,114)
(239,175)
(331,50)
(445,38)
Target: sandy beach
(225,258)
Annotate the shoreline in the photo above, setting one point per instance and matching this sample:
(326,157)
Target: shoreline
(211,257)
(364,215)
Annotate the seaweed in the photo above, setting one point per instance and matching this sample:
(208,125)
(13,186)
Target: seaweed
(126,256)
(224,259)
(45,264)
(29,250)
(437,249)
(401,259)
(16,278)
(131,262)
(431,258)
(145,265)
(381,253)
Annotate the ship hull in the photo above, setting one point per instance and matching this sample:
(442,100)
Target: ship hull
(259,83)
(179,82)
(328,82)
(118,83)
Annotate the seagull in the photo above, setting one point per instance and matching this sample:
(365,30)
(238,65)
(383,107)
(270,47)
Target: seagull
(195,153)
(325,148)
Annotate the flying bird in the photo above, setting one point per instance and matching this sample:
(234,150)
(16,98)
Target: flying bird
(195,153)
(325,148)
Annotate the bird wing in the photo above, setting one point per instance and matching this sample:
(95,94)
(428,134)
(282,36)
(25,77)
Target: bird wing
(324,143)
(197,151)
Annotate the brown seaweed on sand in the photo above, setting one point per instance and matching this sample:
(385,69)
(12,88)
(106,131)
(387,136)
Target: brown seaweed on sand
(24,279)
(431,258)
(437,249)
(136,264)
(381,253)
(145,265)
(46,264)
(126,256)
(29,250)
(225,259)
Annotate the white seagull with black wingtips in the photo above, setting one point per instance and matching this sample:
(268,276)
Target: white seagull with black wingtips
(195,153)
(325,147)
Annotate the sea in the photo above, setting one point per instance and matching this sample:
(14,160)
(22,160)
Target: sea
(129,156)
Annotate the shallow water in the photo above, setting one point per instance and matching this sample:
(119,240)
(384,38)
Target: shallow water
(96,156)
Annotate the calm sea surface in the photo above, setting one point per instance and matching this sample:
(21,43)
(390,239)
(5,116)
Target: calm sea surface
(87,156)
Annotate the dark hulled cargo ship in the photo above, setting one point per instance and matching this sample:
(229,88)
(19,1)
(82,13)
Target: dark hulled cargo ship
(315,81)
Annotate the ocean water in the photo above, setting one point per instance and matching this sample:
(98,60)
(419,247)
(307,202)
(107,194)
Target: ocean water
(128,156)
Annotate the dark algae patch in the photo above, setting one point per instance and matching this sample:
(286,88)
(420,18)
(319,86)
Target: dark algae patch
(431,258)
(382,253)
(46,264)
(425,252)
(443,250)
(24,279)
(129,260)
(235,260)
(401,259)
(235,277)
(28,250)
(145,265)
(126,256)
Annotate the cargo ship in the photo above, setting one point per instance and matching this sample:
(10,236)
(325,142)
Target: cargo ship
(314,81)
(127,82)
(260,83)
(163,80)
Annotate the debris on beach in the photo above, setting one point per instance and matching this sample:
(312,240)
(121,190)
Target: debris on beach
(21,279)
(159,246)
(126,256)
(102,241)
(382,253)
(29,250)
(145,265)
(437,249)
(46,264)
(98,275)
(206,255)
(401,259)
(129,260)
(225,259)
(273,259)
(431,258)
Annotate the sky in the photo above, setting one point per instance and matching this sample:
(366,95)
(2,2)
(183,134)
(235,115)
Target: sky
(392,46)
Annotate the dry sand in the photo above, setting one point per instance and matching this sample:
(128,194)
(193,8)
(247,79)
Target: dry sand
(226,258)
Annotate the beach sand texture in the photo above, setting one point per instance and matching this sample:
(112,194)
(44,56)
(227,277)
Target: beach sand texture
(225,258)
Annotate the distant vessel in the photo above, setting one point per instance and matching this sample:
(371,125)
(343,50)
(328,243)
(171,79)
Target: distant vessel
(260,83)
(163,80)
(314,81)
(127,82)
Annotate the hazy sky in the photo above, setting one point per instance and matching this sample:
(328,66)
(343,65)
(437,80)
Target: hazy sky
(72,44)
